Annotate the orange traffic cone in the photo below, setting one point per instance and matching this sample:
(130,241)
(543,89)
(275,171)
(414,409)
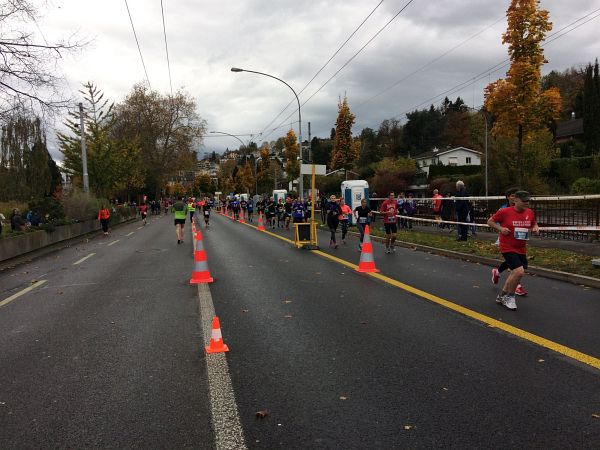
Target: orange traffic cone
(216,339)
(241,220)
(367,263)
(201,274)
(261,225)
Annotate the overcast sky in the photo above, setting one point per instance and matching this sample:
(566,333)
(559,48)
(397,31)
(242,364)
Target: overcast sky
(422,53)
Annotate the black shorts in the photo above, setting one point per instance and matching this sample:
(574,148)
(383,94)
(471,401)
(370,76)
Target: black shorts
(390,228)
(179,222)
(515,260)
(143,215)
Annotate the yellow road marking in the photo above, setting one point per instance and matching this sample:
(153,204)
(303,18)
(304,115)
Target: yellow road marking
(113,242)
(83,259)
(24,291)
(542,342)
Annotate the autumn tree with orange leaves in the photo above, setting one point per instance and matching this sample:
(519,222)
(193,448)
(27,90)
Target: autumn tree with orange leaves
(519,106)
(345,151)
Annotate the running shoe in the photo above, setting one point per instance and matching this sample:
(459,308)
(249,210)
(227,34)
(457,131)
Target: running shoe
(520,291)
(388,250)
(510,302)
(499,298)
(495,275)
(393,249)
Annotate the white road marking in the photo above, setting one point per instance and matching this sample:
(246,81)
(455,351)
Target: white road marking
(24,291)
(225,418)
(112,243)
(129,234)
(83,259)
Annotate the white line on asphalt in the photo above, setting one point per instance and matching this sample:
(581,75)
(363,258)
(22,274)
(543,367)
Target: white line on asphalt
(83,259)
(139,228)
(24,291)
(113,242)
(129,234)
(224,411)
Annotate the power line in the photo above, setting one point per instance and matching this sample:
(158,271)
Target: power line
(551,38)
(162,10)
(351,58)
(138,45)
(326,63)
(429,63)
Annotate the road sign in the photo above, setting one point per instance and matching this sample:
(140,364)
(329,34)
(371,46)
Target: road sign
(306,169)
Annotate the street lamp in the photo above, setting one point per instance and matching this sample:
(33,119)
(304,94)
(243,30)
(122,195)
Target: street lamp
(300,183)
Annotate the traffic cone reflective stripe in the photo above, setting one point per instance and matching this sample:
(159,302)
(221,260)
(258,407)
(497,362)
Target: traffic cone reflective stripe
(367,263)
(261,225)
(201,274)
(216,339)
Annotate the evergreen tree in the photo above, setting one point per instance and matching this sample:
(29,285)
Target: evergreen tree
(591,109)
(345,153)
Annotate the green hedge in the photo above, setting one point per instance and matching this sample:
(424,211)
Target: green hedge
(567,170)
(439,171)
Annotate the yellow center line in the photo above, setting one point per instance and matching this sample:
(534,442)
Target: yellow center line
(130,233)
(83,259)
(24,291)
(113,242)
(542,342)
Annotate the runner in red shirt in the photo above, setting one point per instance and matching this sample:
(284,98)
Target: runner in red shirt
(514,224)
(389,209)
(437,205)
(144,212)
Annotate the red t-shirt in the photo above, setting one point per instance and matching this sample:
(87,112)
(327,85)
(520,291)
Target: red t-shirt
(144,209)
(389,209)
(437,203)
(519,224)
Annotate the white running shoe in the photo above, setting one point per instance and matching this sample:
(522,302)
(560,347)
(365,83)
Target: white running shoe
(510,302)
(499,299)
(393,249)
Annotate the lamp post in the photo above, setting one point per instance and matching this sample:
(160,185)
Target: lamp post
(485,118)
(300,183)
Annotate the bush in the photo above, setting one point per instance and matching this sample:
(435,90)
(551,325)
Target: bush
(440,171)
(48,209)
(80,206)
(585,186)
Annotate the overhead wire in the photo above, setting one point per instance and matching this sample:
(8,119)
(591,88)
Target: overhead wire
(326,63)
(138,44)
(396,83)
(162,10)
(349,60)
(551,38)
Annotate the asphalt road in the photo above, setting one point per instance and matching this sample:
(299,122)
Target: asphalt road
(107,353)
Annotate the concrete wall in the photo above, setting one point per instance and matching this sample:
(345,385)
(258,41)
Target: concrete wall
(11,247)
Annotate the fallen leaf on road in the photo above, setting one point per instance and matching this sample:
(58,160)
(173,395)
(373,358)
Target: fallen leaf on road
(541,360)
(317,273)
(364,323)
(407,427)
(33,281)
(261,414)
(343,398)
(288,316)
(287,301)
(475,286)
(60,292)
(596,416)
(445,389)
(245,310)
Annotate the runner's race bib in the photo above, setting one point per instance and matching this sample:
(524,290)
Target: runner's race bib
(206,213)
(521,234)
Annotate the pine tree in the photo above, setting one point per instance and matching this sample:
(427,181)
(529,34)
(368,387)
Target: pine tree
(345,153)
(591,109)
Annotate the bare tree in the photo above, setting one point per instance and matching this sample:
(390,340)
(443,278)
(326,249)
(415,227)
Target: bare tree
(28,79)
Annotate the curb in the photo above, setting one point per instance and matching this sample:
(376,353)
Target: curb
(43,251)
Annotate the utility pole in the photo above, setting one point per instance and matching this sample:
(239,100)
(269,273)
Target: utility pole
(310,160)
(86,181)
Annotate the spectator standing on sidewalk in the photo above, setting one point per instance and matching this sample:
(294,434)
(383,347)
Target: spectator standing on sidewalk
(462,210)
(447,211)
(410,209)
(437,205)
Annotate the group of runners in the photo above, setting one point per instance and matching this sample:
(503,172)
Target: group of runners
(514,222)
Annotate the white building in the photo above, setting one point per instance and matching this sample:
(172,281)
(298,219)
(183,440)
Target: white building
(459,156)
